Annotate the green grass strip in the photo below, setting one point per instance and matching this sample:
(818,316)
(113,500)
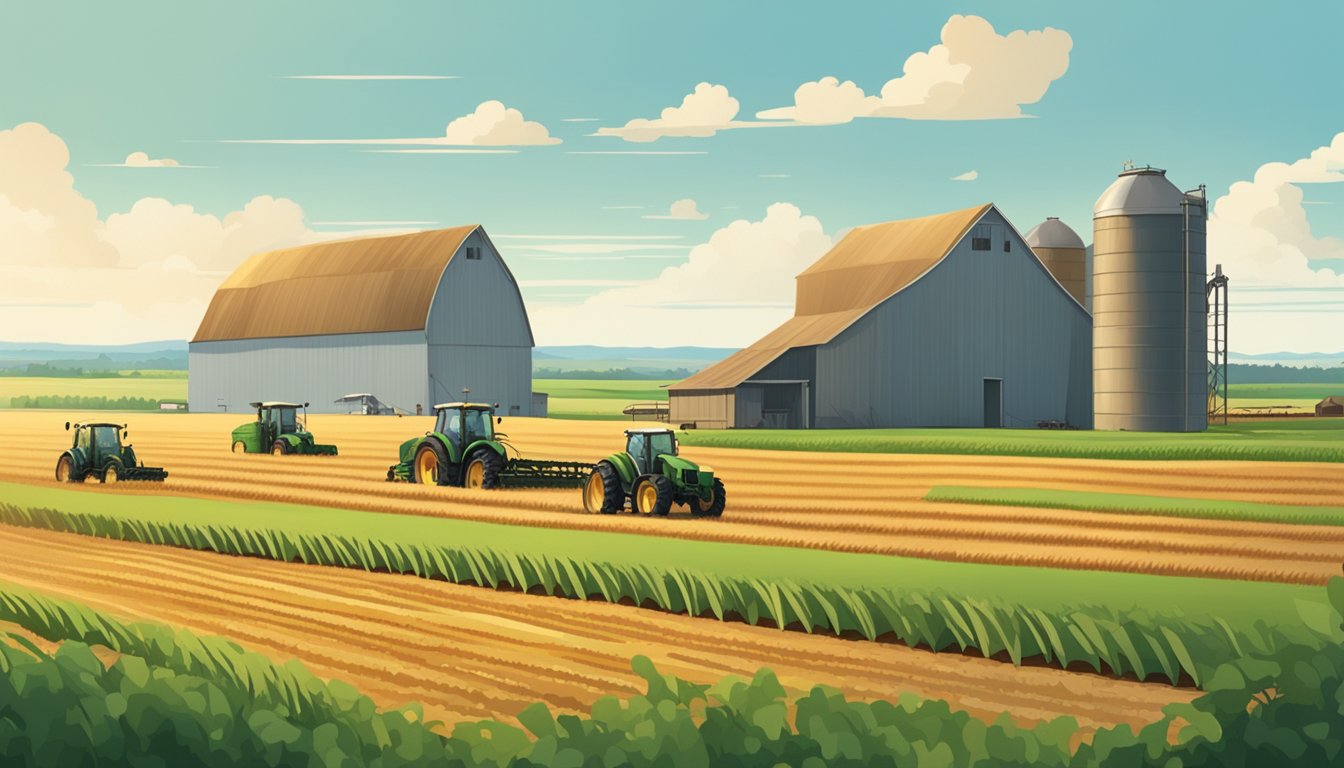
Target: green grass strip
(1133,504)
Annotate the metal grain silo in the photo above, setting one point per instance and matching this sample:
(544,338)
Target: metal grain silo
(1149,343)
(1061,250)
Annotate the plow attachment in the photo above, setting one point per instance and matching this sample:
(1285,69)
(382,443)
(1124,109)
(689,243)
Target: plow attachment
(524,473)
(144,474)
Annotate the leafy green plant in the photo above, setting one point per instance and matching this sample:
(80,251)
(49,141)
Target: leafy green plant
(1174,649)
(85,402)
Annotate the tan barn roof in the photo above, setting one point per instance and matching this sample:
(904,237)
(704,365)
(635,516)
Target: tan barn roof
(1332,400)
(366,285)
(868,266)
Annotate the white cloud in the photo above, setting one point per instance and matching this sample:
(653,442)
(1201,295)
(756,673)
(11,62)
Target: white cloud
(1260,233)
(703,112)
(493,124)
(682,210)
(732,289)
(973,74)
(147,273)
(967,176)
(143,160)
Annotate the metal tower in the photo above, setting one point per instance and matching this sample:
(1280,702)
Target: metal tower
(1215,306)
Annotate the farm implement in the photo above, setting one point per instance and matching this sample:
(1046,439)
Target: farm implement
(96,451)
(650,477)
(279,431)
(464,451)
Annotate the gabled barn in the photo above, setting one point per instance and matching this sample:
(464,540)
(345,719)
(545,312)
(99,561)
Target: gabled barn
(941,321)
(411,319)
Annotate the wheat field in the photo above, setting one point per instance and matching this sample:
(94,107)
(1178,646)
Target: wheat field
(846,502)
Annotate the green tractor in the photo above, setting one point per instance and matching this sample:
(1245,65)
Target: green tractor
(96,451)
(651,477)
(465,451)
(279,431)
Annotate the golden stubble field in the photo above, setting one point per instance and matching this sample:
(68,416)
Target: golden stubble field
(847,502)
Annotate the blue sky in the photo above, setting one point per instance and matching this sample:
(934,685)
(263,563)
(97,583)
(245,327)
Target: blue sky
(1210,94)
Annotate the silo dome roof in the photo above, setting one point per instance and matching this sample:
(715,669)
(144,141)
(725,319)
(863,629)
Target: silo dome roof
(1139,191)
(1053,233)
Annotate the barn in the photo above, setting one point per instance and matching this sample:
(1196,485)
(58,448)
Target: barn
(411,319)
(942,321)
(1330,406)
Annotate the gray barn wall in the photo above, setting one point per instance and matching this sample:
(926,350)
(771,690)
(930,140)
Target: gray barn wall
(920,358)
(796,364)
(478,333)
(316,369)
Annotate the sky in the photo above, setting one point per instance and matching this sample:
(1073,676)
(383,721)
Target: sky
(654,174)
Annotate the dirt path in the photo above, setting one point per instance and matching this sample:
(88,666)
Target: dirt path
(468,652)
(848,502)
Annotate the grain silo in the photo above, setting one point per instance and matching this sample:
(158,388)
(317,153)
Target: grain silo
(1149,344)
(1062,252)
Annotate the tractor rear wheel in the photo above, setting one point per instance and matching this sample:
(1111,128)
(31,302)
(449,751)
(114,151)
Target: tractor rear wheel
(279,448)
(65,469)
(239,446)
(430,466)
(653,495)
(602,491)
(713,507)
(112,474)
(483,470)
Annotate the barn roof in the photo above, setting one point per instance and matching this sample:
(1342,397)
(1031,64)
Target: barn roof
(868,266)
(1332,400)
(366,285)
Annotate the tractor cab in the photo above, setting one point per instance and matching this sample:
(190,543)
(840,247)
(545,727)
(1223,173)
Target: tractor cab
(645,446)
(99,442)
(280,419)
(280,431)
(96,450)
(465,423)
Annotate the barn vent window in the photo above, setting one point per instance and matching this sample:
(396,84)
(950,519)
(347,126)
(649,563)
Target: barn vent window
(980,237)
(1007,246)
(473,253)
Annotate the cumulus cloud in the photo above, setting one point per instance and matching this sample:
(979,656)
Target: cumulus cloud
(703,112)
(967,176)
(493,124)
(682,210)
(1260,233)
(143,160)
(732,289)
(147,273)
(973,74)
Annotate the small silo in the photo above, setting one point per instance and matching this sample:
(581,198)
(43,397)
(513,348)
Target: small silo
(1061,250)
(1149,343)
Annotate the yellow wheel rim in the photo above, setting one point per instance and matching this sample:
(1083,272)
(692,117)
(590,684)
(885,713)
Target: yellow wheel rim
(277,451)
(63,470)
(111,476)
(648,498)
(594,493)
(476,474)
(238,447)
(705,504)
(427,468)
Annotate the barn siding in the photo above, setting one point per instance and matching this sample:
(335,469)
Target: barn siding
(920,357)
(708,409)
(316,369)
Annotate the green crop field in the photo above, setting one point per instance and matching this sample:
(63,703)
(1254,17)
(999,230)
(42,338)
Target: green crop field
(150,387)
(1241,603)
(597,399)
(1295,440)
(1313,392)
(1132,504)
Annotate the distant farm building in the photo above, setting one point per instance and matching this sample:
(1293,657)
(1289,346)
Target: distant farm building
(1330,406)
(412,319)
(941,321)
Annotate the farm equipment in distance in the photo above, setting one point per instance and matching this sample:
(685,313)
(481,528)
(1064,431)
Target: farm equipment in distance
(463,450)
(651,477)
(96,451)
(279,431)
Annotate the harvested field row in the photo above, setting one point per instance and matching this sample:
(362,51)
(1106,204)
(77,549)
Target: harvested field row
(469,653)
(856,503)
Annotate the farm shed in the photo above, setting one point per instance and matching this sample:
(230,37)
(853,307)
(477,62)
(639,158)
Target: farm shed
(411,319)
(1330,406)
(941,321)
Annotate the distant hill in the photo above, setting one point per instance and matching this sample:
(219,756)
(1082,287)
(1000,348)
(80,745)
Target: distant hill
(157,355)
(626,363)
(1294,359)
(673,354)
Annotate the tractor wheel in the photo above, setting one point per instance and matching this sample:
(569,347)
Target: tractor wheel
(431,464)
(653,495)
(602,491)
(112,474)
(65,470)
(279,448)
(483,470)
(239,446)
(713,507)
